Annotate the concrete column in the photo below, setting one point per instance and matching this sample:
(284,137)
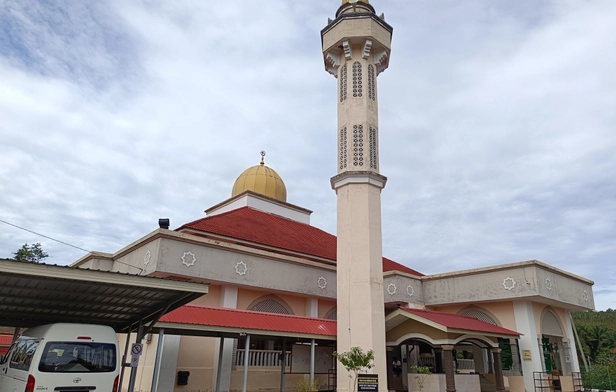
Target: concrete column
(450,380)
(498,370)
(438,360)
(312,307)
(525,324)
(228,299)
(575,365)
(478,358)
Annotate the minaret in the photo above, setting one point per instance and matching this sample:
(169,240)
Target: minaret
(356,47)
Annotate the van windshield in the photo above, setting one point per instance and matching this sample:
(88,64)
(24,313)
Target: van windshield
(78,357)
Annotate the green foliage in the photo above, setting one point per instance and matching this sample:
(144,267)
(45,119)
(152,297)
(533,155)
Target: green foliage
(31,253)
(422,373)
(356,361)
(602,375)
(307,385)
(597,332)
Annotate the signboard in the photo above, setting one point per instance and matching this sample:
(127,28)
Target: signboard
(134,361)
(136,349)
(526,355)
(367,382)
(300,359)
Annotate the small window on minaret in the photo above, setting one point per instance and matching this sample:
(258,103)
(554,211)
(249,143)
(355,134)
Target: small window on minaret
(343,83)
(357,79)
(343,148)
(373,149)
(358,145)
(371,89)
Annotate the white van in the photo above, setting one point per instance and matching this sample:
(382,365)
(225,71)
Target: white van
(62,358)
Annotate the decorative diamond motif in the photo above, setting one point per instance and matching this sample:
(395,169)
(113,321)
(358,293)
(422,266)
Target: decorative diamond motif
(147,257)
(585,295)
(410,290)
(322,282)
(241,268)
(189,259)
(548,284)
(508,283)
(391,289)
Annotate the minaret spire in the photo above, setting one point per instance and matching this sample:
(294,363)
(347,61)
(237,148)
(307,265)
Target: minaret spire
(356,48)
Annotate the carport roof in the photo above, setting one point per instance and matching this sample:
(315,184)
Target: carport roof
(35,293)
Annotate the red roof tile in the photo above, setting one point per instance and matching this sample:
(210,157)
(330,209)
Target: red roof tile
(248,224)
(457,321)
(246,319)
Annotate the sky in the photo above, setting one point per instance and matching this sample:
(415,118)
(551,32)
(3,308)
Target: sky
(497,124)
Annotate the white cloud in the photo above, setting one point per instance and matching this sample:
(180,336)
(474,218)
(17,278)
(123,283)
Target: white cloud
(497,124)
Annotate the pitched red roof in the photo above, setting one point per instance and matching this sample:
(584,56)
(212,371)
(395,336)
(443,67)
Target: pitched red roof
(6,340)
(457,321)
(258,227)
(246,319)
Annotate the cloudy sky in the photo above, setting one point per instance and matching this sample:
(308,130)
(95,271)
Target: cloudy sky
(497,124)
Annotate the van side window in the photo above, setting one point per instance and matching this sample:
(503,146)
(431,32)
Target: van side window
(22,353)
(78,357)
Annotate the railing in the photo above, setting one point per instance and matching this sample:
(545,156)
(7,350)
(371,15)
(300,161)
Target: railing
(466,365)
(262,358)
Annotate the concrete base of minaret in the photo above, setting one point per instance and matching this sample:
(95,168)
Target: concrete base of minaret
(361,318)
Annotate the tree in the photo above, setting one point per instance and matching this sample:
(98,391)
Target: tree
(31,253)
(355,360)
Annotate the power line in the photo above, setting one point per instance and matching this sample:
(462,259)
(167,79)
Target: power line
(43,235)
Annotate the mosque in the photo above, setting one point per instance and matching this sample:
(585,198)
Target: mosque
(284,295)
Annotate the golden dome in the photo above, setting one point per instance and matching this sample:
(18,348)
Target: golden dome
(261,179)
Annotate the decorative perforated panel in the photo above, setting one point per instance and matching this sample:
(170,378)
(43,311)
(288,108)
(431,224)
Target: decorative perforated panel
(371,83)
(332,314)
(357,79)
(373,149)
(343,148)
(479,315)
(270,306)
(358,145)
(343,83)
(550,325)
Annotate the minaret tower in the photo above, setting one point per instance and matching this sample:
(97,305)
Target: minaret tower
(356,47)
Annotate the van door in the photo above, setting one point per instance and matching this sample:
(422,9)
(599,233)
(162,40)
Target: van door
(16,365)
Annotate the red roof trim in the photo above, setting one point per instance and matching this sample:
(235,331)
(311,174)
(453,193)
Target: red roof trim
(6,340)
(456,321)
(246,319)
(265,229)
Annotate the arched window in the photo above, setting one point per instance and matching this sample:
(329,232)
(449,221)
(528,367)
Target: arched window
(550,324)
(270,304)
(332,314)
(479,315)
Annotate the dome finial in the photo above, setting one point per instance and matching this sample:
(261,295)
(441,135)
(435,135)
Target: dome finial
(262,157)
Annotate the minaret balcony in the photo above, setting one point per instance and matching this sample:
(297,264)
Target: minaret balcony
(356,35)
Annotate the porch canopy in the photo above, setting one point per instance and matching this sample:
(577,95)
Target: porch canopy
(231,323)
(33,294)
(442,328)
